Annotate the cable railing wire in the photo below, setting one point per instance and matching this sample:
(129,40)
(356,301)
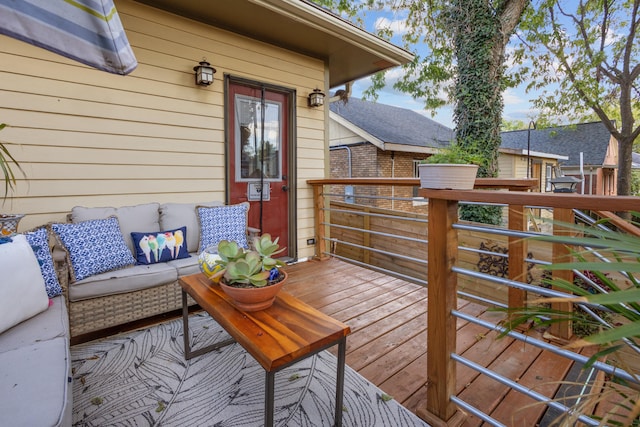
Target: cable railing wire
(534,288)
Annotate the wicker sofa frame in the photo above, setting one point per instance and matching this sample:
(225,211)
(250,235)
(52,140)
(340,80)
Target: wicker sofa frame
(107,311)
(103,312)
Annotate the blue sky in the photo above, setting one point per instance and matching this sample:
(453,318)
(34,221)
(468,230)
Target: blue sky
(516,102)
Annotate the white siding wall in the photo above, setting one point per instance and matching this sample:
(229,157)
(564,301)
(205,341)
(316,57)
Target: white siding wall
(86,137)
(340,135)
(506,165)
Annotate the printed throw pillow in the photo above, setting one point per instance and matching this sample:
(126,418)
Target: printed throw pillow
(94,246)
(160,246)
(39,242)
(223,223)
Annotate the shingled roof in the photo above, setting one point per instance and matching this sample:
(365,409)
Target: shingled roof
(592,139)
(403,126)
(394,124)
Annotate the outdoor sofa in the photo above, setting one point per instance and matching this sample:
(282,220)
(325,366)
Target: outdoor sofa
(95,271)
(35,363)
(142,268)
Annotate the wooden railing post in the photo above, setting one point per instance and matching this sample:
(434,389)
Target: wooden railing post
(517,255)
(318,205)
(560,254)
(442,299)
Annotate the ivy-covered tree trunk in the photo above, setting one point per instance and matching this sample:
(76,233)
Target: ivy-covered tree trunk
(481,30)
(478,87)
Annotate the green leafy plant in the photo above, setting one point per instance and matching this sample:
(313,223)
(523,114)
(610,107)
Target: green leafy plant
(249,268)
(453,154)
(459,154)
(620,299)
(6,159)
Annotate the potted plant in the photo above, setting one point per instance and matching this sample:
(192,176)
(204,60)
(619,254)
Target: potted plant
(8,223)
(252,278)
(452,168)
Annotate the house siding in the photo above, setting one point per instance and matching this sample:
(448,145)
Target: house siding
(86,137)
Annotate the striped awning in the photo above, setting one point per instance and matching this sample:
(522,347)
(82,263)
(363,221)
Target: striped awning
(88,31)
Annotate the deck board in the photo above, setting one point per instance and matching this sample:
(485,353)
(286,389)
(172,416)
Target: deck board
(388,319)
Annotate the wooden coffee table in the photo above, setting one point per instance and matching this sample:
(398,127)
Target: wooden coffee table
(277,337)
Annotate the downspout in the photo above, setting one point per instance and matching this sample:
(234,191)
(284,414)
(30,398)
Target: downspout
(393,175)
(345,147)
(348,189)
(582,172)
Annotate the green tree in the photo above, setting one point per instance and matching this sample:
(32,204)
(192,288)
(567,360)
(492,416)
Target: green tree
(467,41)
(584,58)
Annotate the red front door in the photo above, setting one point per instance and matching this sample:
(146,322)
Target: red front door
(257,157)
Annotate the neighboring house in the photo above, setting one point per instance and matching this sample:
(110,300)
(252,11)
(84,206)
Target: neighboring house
(376,140)
(369,139)
(383,139)
(591,151)
(85,137)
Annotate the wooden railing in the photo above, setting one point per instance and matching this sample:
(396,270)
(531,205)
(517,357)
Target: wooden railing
(443,256)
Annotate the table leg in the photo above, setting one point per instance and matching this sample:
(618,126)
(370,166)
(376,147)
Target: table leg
(185,326)
(342,347)
(188,354)
(269,398)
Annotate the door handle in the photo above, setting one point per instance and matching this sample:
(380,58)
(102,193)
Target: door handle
(285,188)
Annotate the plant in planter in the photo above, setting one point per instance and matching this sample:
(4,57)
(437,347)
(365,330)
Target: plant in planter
(452,168)
(252,278)
(8,223)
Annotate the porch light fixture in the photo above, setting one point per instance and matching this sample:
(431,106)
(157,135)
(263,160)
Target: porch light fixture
(316,98)
(204,73)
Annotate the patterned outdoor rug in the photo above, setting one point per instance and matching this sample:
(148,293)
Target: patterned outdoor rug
(141,378)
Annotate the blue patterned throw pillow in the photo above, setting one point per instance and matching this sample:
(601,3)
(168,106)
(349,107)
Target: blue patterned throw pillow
(223,223)
(39,242)
(161,246)
(94,246)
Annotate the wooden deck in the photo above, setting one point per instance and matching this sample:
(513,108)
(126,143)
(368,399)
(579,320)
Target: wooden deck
(388,319)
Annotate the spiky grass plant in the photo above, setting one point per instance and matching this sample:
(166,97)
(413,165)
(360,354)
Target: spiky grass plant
(619,255)
(6,159)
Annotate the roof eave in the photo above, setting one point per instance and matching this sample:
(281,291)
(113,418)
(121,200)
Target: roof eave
(301,26)
(366,136)
(531,153)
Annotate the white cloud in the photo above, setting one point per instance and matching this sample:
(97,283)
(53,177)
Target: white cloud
(398,27)
(510,97)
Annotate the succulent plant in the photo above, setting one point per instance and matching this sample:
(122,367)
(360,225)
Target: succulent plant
(255,267)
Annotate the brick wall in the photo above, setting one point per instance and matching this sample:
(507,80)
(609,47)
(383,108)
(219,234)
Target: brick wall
(368,161)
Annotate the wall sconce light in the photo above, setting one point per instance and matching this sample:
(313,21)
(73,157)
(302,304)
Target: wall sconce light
(316,98)
(204,73)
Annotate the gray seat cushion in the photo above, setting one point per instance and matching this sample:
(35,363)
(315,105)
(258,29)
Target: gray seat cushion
(121,281)
(51,323)
(142,218)
(186,266)
(34,384)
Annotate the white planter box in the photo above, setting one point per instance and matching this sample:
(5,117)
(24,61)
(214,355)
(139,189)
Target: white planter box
(447,176)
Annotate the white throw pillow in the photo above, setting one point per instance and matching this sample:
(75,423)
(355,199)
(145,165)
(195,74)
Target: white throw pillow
(22,290)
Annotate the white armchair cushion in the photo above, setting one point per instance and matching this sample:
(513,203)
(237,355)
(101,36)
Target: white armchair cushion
(22,290)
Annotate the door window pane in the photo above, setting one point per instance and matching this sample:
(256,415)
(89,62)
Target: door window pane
(259,131)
